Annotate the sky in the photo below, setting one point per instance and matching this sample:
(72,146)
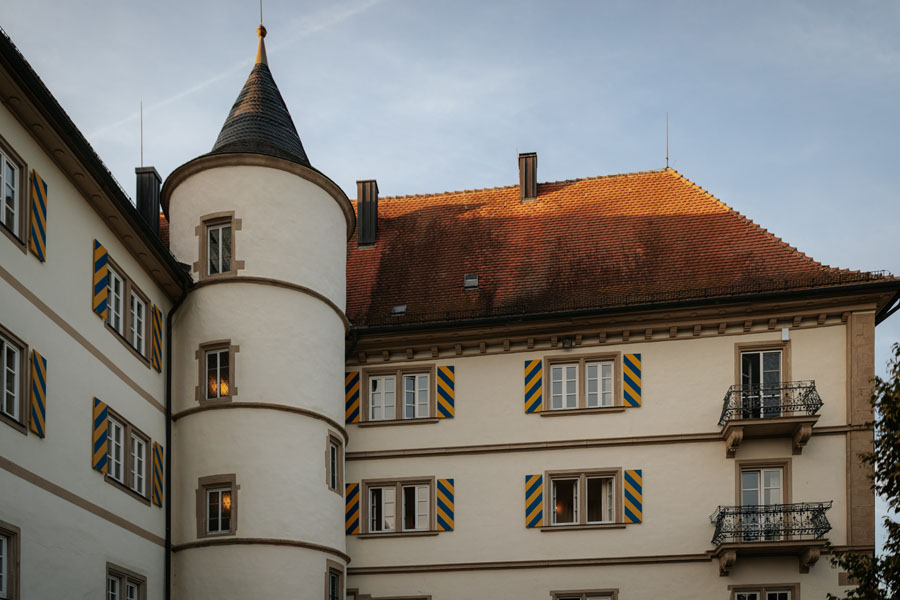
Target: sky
(786,111)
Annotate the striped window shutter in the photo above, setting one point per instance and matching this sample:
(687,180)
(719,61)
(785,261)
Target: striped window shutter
(632,379)
(634,496)
(101,425)
(157,495)
(445,505)
(156,341)
(534,501)
(38,412)
(351,514)
(101,279)
(533,386)
(351,397)
(37,242)
(446,394)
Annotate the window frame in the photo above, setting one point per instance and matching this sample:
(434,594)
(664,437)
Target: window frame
(212,220)
(200,355)
(783,346)
(609,593)
(210,483)
(23,203)
(129,432)
(764,588)
(397,484)
(23,378)
(581,510)
(581,361)
(398,373)
(125,576)
(333,567)
(11,559)
(129,289)
(334,440)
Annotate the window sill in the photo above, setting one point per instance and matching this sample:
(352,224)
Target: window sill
(17,425)
(427,421)
(398,534)
(20,242)
(119,485)
(582,411)
(581,527)
(144,359)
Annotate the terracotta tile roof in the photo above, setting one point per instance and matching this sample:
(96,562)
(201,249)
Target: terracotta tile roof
(588,243)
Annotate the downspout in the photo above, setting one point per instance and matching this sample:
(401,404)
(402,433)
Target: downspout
(168,458)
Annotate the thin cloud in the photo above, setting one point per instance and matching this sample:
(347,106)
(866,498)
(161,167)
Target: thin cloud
(319,22)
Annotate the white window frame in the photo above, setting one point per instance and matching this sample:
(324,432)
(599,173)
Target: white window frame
(385,414)
(568,385)
(602,397)
(113,587)
(420,408)
(334,459)
(5,210)
(217,262)
(220,492)
(575,500)
(388,522)
(138,464)
(114,315)
(219,353)
(608,502)
(138,322)
(422,495)
(116,450)
(132,590)
(11,366)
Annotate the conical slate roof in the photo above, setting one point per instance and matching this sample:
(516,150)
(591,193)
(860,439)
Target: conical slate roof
(259,121)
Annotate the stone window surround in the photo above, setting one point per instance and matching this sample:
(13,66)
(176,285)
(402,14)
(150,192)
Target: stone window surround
(580,360)
(128,430)
(430,369)
(582,475)
(13,549)
(126,575)
(201,267)
(793,588)
(24,371)
(225,480)
(24,198)
(330,566)
(336,439)
(129,288)
(200,355)
(764,463)
(366,484)
(612,593)
(784,346)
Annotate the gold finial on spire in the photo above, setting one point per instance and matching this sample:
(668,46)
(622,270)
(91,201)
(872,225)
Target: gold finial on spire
(261,51)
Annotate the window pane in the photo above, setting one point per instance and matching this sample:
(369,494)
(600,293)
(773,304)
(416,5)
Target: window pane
(3,561)
(422,393)
(226,510)
(224,375)
(599,494)
(226,249)
(750,369)
(112,587)
(333,466)
(747,596)
(375,510)
(212,374)
(423,500)
(213,250)
(409,397)
(564,497)
(778,595)
(749,488)
(212,511)
(389,510)
(409,507)
(131,591)
(389,398)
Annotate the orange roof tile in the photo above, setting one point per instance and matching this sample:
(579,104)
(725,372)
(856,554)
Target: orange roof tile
(586,243)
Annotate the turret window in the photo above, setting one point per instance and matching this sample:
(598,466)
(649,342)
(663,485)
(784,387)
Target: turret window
(217,504)
(217,250)
(217,372)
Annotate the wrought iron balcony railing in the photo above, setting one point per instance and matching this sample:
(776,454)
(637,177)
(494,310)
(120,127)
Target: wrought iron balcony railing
(767,401)
(769,523)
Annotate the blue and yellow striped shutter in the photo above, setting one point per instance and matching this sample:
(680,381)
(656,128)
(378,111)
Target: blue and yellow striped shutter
(533,386)
(101,425)
(632,379)
(38,412)
(156,341)
(446,394)
(101,279)
(445,505)
(37,242)
(157,490)
(634,496)
(534,501)
(351,397)
(351,514)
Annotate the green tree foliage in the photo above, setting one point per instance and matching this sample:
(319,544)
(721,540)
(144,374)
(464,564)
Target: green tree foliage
(878,577)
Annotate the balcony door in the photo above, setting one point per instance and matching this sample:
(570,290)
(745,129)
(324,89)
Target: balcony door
(761,384)
(761,490)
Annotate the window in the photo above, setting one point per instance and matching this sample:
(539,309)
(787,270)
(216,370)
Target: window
(758,592)
(9,561)
(13,197)
(586,595)
(127,312)
(217,505)
(416,394)
(219,248)
(334,463)
(761,488)
(584,498)
(13,355)
(127,466)
(404,506)
(334,581)
(590,382)
(216,361)
(761,384)
(138,323)
(217,245)
(122,584)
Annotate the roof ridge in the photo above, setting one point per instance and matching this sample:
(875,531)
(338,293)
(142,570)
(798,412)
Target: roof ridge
(516,185)
(750,221)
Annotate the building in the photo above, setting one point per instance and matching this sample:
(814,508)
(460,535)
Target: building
(533,381)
